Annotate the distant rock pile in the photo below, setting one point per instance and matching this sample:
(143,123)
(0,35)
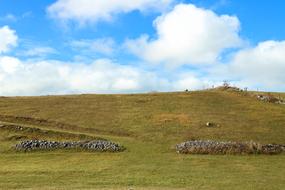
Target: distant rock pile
(231,88)
(211,124)
(214,147)
(270,98)
(98,145)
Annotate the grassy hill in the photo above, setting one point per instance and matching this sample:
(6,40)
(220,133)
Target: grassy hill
(149,126)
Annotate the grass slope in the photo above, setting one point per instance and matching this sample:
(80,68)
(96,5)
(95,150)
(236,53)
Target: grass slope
(148,125)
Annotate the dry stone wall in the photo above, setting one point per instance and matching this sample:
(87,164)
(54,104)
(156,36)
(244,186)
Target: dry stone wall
(214,147)
(98,145)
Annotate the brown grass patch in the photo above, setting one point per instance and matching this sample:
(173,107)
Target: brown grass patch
(182,119)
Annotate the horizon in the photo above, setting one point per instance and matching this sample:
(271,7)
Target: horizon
(146,93)
(63,47)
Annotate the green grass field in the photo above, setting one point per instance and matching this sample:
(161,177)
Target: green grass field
(149,126)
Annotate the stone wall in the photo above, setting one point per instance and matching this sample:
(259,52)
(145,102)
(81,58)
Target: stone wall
(98,145)
(214,147)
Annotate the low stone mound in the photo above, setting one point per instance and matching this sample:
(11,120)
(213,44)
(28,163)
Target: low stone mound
(214,147)
(34,133)
(270,98)
(98,145)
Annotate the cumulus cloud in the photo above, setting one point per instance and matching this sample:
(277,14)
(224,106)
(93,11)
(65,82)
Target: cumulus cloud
(185,35)
(19,77)
(8,39)
(54,77)
(188,35)
(94,10)
(190,82)
(260,66)
(9,65)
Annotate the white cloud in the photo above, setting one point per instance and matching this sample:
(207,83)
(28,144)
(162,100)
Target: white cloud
(261,66)
(94,10)
(54,77)
(182,80)
(104,46)
(190,82)
(8,39)
(40,51)
(188,35)
(9,64)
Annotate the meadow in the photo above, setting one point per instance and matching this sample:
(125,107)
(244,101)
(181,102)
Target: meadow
(149,126)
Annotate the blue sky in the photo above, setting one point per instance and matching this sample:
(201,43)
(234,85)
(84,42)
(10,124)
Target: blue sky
(72,46)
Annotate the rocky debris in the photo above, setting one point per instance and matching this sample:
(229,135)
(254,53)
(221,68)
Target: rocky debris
(98,145)
(37,121)
(187,90)
(229,88)
(59,125)
(214,147)
(270,98)
(33,133)
(211,124)
(233,88)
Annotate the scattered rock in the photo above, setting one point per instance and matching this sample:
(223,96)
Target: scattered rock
(98,145)
(229,88)
(32,131)
(214,147)
(209,124)
(270,98)
(59,125)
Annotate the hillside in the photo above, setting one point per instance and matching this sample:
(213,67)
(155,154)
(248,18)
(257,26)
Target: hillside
(149,126)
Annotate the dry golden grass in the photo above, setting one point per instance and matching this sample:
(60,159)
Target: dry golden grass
(181,119)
